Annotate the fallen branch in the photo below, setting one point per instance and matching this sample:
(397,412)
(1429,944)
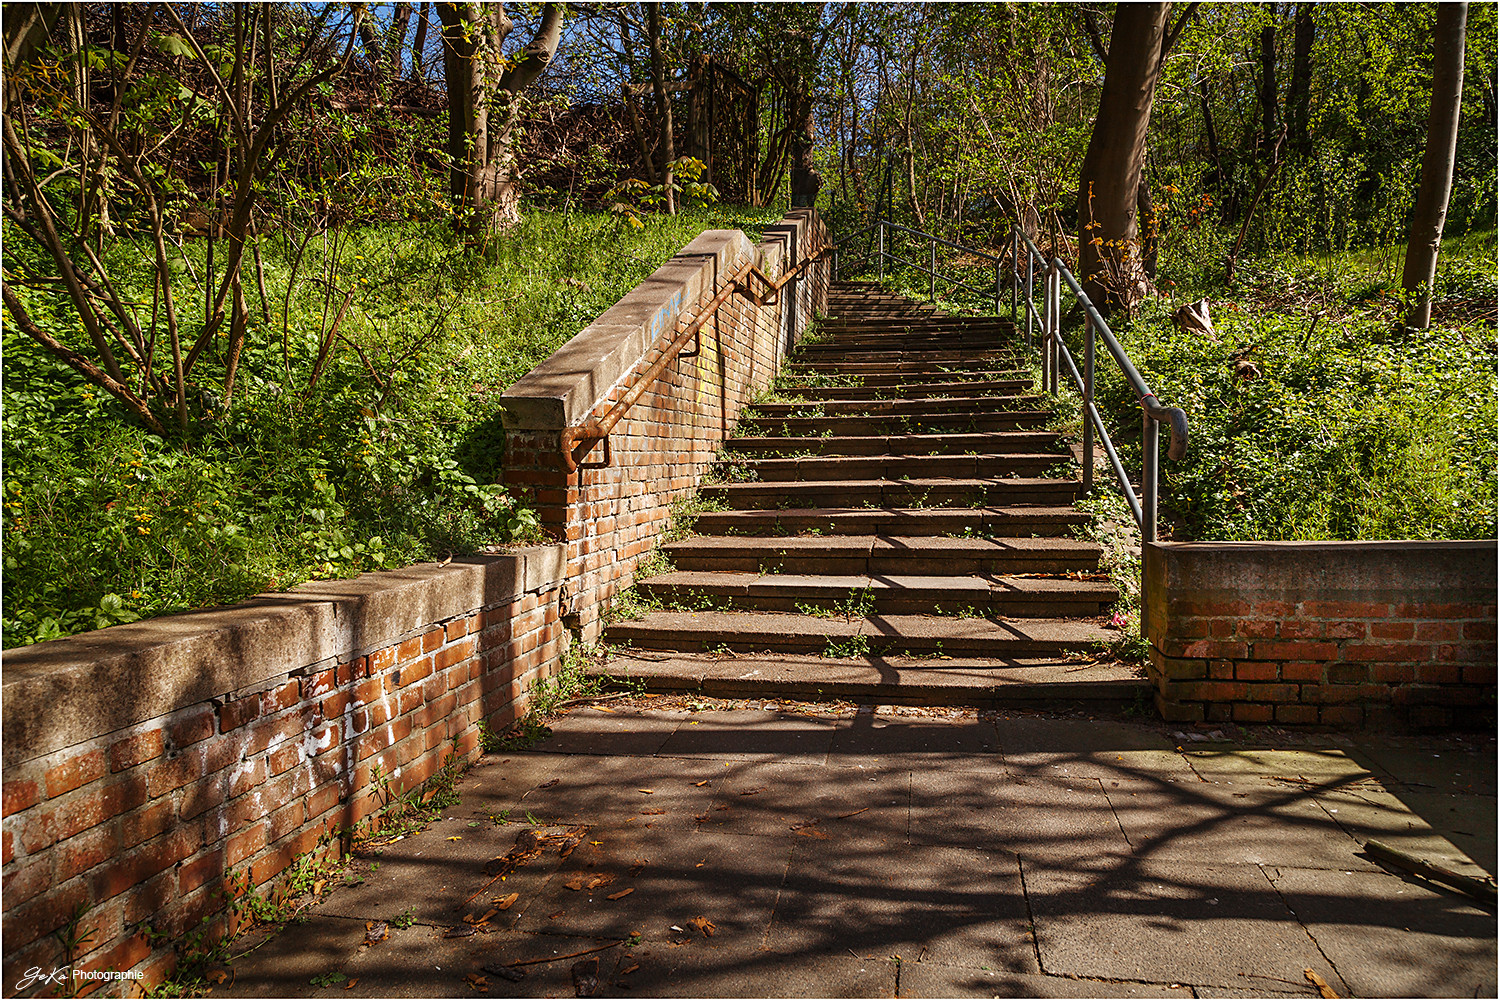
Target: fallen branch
(571,955)
(1477,888)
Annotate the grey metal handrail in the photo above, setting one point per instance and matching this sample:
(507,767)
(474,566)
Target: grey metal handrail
(882,255)
(1055,351)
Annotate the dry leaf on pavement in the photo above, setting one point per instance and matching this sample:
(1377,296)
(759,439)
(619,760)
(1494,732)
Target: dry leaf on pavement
(707,927)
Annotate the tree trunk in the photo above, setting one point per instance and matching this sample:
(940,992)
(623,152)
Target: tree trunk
(1437,161)
(1268,124)
(482,107)
(400,25)
(666,149)
(418,73)
(1108,248)
(1299,90)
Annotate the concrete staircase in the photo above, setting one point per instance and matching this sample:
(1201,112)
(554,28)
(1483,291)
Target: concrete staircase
(892,526)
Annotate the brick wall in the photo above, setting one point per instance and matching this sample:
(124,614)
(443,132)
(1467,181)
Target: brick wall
(144,764)
(1349,634)
(613,516)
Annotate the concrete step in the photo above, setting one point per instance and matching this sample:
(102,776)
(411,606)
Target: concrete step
(985,682)
(894,467)
(909,390)
(901,444)
(883,554)
(972,594)
(925,492)
(919,521)
(891,380)
(750,632)
(924,370)
(797,427)
(920,407)
(898,353)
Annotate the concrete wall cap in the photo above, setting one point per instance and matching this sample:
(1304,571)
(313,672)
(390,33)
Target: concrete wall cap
(63,692)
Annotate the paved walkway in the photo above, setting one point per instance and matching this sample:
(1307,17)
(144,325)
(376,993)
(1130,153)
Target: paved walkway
(773,849)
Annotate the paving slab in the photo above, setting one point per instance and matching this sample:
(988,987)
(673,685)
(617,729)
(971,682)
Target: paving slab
(1438,769)
(1230,822)
(1044,747)
(1069,818)
(1325,766)
(933,980)
(602,730)
(1377,814)
(285,965)
(785,800)
(1381,933)
(747,734)
(944,904)
(709,973)
(1169,922)
(1470,822)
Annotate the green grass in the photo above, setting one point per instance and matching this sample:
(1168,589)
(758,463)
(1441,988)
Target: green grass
(390,459)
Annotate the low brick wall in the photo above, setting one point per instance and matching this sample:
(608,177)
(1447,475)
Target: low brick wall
(613,516)
(146,763)
(1349,634)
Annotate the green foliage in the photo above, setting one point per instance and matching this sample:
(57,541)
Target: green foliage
(1356,429)
(390,458)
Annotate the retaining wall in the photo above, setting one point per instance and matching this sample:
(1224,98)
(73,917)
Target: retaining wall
(1348,634)
(613,516)
(145,763)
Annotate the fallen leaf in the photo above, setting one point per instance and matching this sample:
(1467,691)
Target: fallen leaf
(576,883)
(376,931)
(707,927)
(456,837)
(479,982)
(630,969)
(555,915)
(350,985)
(700,865)
(585,977)
(318,886)
(703,783)
(603,879)
(650,813)
(459,931)
(219,974)
(505,902)
(646,791)
(483,917)
(623,893)
(1322,985)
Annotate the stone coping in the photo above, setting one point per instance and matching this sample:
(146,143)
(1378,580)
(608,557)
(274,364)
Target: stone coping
(1327,566)
(62,692)
(565,388)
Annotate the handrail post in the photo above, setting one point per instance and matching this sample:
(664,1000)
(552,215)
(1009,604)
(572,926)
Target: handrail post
(1030,295)
(932,271)
(881,258)
(997,288)
(1149,462)
(1088,405)
(1015,260)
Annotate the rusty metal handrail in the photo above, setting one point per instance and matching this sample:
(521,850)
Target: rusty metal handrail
(596,430)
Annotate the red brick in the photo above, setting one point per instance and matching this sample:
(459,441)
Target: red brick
(1479,674)
(271,731)
(1346,630)
(129,869)
(7,847)
(87,850)
(1256,671)
(124,955)
(1301,650)
(1440,610)
(369,690)
(1296,714)
(432,640)
(244,844)
(408,649)
(1249,712)
(1301,670)
(26,881)
(415,672)
(1345,716)
(1347,674)
(317,685)
(1214,691)
(40,917)
(1479,630)
(18,796)
(456,652)
(74,772)
(382,659)
(202,796)
(1393,630)
(1439,674)
(80,813)
(1221,670)
(238,712)
(1388,652)
(283,758)
(174,773)
(456,629)
(247,776)
(282,697)
(1392,674)
(1276,609)
(132,751)
(1346,609)
(1303,629)
(1439,632)
(1258,629)
(191,728)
